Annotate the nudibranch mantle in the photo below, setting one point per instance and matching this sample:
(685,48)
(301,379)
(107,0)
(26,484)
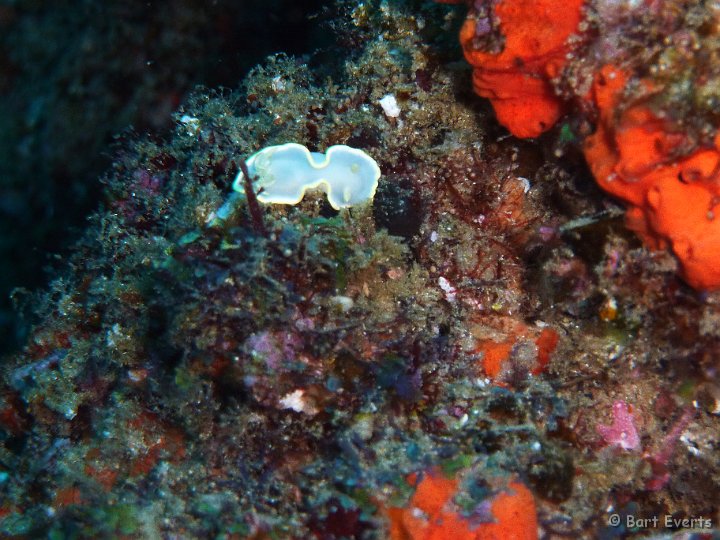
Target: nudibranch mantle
(282,174)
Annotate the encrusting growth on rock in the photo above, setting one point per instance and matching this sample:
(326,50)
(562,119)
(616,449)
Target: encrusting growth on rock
(520,51)
(432,515)
(673,202)
(532,46)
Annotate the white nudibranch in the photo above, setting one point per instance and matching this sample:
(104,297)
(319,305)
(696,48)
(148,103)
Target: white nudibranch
(282,174)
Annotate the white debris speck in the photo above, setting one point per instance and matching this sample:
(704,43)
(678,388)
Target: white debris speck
(525,183)
(191,123)
(297,402)
(112,334)
(390,106)
(293,400)
(70,413)
(418,513)
(448,289)
(433,236)
(278,84)
(345,303)
(691,446)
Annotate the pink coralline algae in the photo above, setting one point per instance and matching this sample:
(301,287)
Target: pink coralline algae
(622,433)
(659,461)
(273,348)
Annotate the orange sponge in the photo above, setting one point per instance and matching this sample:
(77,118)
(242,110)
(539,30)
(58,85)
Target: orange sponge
(686,217)
(674,201)
(431,514)
(517,80)
(496,354)
(515,516)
